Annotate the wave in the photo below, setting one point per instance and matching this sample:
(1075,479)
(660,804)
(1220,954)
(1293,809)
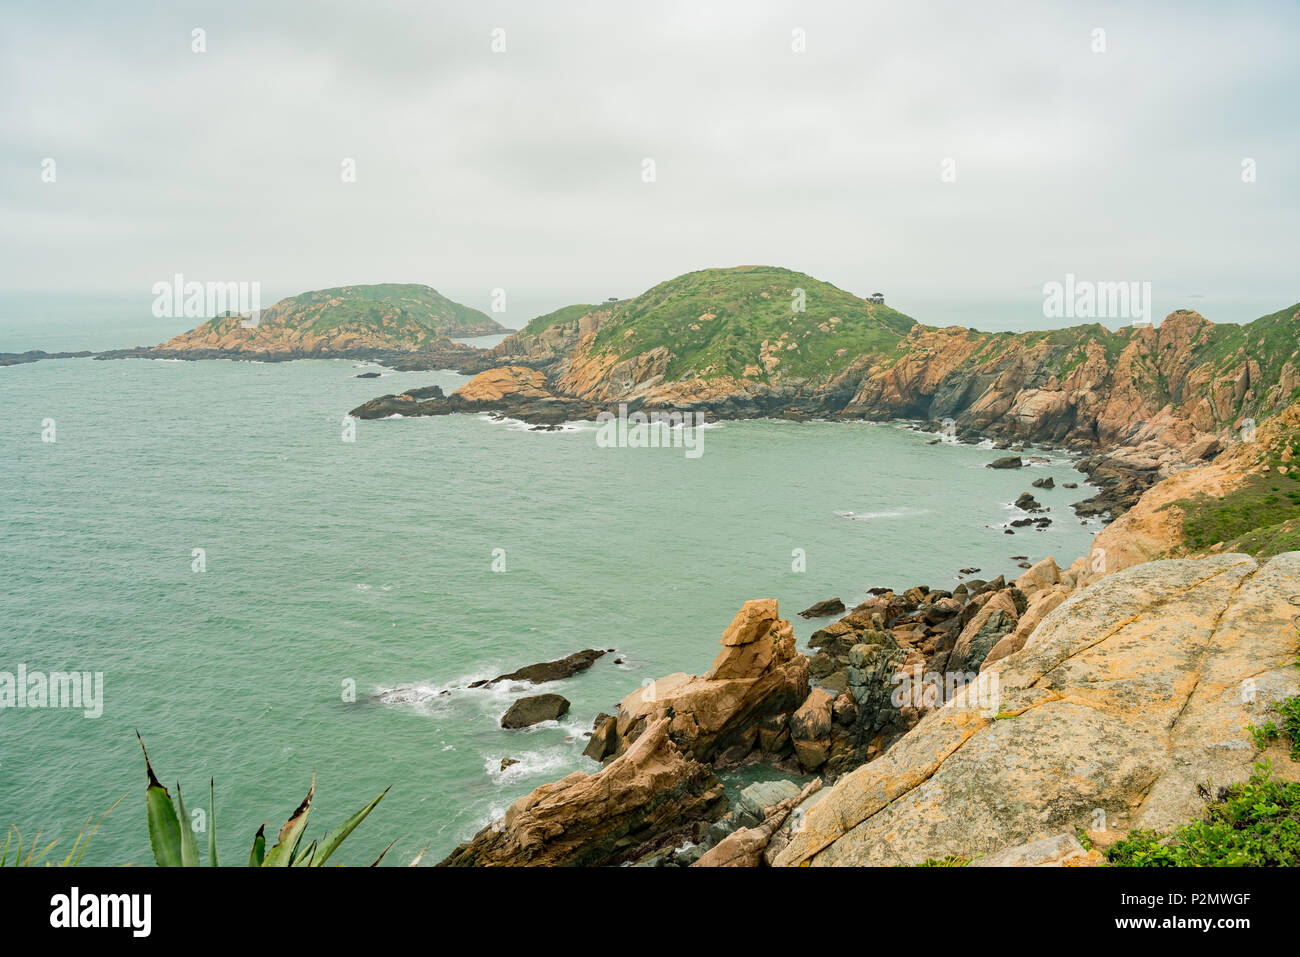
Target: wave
(895,513)
(528,764)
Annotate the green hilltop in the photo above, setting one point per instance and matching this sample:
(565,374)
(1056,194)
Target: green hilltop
(404,305)
(715,322)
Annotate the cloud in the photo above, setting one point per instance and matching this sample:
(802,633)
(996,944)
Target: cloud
(522,169)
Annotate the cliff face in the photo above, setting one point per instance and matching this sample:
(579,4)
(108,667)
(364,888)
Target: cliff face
(346,320)
(1247,499)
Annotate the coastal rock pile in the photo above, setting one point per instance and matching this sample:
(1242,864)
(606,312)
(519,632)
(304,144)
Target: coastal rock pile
(895,657)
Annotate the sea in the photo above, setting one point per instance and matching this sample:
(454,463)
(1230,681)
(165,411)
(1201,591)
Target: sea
(270,591)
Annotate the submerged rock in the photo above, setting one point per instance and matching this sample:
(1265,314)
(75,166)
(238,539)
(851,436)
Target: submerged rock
(823,609)
(549,670)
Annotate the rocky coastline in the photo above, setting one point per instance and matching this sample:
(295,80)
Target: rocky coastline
(1025,722)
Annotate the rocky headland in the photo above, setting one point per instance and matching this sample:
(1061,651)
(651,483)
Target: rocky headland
(1138,403)
(404,326)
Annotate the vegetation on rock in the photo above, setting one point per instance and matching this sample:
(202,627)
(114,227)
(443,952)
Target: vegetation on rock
(1253,824)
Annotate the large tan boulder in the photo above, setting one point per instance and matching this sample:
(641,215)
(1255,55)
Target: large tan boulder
(1130,694)
(651,793)
(810,729)
(1045,574)
(995,617)
(515,382)
(716,717)
(1039,607)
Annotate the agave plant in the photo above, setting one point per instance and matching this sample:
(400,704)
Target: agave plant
(174,844)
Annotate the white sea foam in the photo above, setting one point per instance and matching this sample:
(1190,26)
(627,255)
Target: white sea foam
(895,513)
(529,764)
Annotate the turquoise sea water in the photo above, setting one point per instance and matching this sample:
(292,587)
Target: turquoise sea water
(371,562)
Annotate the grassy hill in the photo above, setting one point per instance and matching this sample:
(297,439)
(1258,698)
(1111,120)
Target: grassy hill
(401,316)
(727,321)
(408,307)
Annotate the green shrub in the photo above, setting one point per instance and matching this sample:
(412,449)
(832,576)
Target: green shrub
(1255,824)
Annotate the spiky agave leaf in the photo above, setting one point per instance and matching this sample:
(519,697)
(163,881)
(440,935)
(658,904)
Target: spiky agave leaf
(331,841)
(189,846)
(304,857)
(212,824)
(283,853)
(164,826)
(376,861)
(258,853)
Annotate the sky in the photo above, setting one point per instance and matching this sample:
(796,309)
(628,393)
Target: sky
(940,152)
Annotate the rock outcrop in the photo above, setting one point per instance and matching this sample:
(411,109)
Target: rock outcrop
(648,799)
(529,711)
(544,671)
(745,846)
(1123,699)
(757,677)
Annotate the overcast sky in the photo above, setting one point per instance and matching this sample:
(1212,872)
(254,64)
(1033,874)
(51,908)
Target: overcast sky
(523,169)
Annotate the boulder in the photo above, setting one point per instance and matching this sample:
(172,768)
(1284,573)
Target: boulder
(1046,482)
(549,670)
(604,738)
(1043,602)
(810,729)
(745,847)
(1130,694)
(529,711)
(823,609)
(1042,575)
(755,799)
(1006,462)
